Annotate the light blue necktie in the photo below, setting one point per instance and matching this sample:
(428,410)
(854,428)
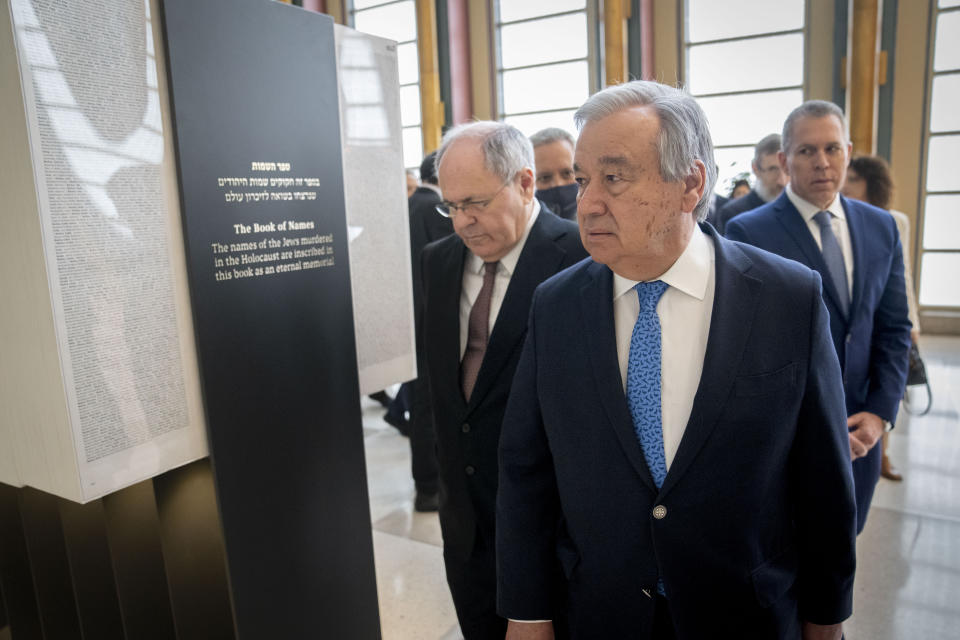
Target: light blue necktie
(833,256)
(643,379)
(643,383)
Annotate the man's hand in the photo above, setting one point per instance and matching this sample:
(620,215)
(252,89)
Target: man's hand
(822,631)
(866,430)
(530,631)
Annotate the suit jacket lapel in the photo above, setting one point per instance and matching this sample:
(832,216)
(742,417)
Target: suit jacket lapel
(734,305)
(540,258)
(596,303)
(855,224)
(450,281)
(796,227)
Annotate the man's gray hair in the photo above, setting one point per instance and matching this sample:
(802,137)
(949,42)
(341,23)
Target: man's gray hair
(812,109)
(551,135)
(767,145)
(506,151)
(684,135)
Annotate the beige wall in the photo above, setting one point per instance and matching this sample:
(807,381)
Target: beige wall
(909,98)
(667,41)
(483,76)
(820,67)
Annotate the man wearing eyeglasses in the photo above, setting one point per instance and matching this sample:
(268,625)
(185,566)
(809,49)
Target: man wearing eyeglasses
(477,287)
(771,180)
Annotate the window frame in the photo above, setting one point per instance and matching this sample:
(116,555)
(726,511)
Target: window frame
(684,67)
(351,13)
(592,59)
(920,251)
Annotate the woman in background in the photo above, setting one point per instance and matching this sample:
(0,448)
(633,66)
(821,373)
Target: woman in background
(869,180)
(740,188)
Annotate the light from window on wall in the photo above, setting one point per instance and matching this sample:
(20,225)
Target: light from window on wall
(938,280)
(530,123)
(746,65)
(407,63)
(941,222)
(393,21)
(947,56)
(528,43)
(412,147)
(713,20)
(542,88)
(510,10)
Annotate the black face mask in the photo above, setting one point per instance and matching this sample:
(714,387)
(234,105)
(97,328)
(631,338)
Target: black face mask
(561,200)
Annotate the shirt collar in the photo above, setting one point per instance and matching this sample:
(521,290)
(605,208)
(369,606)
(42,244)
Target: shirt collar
(808,209)
(689,274)
(508,262)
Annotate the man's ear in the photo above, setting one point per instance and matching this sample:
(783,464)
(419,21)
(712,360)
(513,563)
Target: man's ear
(693,186)
(782,159)
(528,183)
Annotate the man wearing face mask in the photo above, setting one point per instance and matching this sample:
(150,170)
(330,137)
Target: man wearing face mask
(556,186)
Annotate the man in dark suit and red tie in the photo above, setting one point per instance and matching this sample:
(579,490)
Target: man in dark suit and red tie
(855,247)
(477,287)
(676,436)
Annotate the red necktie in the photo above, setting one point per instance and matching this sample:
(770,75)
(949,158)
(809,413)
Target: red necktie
(477,331)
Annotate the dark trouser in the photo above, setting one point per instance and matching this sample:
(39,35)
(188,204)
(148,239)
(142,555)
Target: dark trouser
(423,438)
(866,473)
(473,585)
(662,624)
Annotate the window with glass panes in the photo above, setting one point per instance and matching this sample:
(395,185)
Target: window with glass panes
(543,62)
(398,21)
(744,61)
(940,244)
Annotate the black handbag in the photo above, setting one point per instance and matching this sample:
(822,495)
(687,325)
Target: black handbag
(917,375)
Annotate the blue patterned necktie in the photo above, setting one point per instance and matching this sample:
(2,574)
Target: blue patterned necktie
(833,256)
(643,379)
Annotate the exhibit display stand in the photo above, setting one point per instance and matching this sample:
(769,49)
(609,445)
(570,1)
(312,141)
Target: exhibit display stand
(201,222)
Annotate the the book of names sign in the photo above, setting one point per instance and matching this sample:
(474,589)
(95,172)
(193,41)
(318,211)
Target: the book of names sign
(254,95)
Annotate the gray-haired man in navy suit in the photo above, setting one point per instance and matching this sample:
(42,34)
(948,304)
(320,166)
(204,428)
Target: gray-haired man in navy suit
(675,438)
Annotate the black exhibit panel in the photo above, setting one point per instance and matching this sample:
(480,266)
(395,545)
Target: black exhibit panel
(254,102)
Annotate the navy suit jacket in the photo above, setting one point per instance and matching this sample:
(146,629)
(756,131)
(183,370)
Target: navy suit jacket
(468,432)
(873,340)
(426,226)
(735,207)
(759,526)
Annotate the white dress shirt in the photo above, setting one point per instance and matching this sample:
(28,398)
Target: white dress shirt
(684,311)
(838,220)
(473,281)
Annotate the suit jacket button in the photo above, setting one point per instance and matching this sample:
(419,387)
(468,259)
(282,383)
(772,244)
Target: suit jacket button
(659,512)
(470,470)
(465,428)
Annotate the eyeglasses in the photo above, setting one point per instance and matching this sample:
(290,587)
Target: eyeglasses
(469,207)
(770,169)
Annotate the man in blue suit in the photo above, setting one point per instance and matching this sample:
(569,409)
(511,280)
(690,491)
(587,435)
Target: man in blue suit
(856,249)
(675,440)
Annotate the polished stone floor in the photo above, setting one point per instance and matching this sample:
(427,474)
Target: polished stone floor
(908,577)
